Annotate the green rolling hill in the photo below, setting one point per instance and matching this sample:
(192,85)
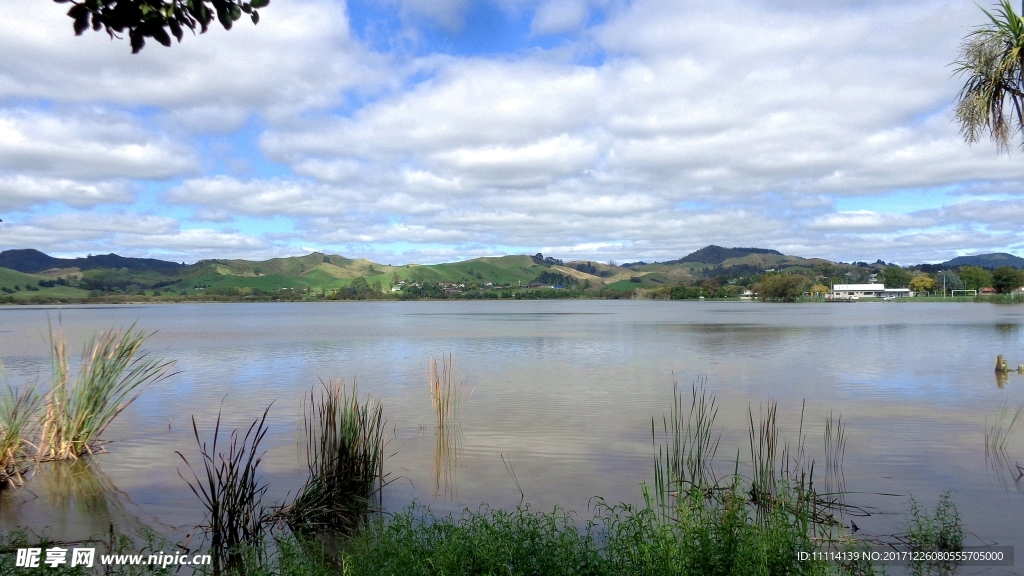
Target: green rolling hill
(30,275)
(23,287)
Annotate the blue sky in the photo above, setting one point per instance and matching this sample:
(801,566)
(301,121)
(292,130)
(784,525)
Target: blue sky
(436,130)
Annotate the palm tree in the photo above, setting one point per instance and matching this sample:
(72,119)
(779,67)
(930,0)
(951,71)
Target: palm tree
(992,58)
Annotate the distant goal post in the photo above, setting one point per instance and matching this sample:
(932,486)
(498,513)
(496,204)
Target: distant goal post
(963,292)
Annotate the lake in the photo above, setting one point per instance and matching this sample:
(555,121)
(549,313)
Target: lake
(564,390)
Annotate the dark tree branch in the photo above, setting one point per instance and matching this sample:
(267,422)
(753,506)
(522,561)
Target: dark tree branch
(157,19)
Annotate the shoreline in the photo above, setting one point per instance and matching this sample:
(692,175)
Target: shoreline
(114,301)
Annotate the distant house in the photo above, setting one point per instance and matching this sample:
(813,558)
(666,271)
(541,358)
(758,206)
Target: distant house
(850,291)
(987,291)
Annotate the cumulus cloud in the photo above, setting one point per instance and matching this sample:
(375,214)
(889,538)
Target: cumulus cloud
(666,126)
(261,197)
(1001,214)
(21,191)
(556,16)
(130,234)
(89,145)
(300,56)
(868,221)
(811,105)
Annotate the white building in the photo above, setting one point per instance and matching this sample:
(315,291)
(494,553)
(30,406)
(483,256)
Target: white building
(849,291)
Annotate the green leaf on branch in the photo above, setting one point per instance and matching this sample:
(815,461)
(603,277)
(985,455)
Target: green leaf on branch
(160,35)
(157,19)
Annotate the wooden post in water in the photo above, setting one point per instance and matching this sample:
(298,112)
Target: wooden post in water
(1001,365)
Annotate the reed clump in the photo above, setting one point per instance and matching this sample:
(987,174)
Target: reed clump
(345,443)
(447,396)
(66,422)
(753,519)
(772,496)
(232,492)
(19,411)
(113,374)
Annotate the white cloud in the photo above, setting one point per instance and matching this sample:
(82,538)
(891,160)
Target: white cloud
(556,16)
(262,197)
(21,191)
(299,56)
(75,234)
(199,240)
(469,103)
(449,14)
(89,145)
(1000,214)
(97,225)
(735,122)
(868,221)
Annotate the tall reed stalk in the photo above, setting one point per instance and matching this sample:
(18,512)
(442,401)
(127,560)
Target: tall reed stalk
(998,435)
(997,439)
(835,454)
(780,486)
(113,373)
(231,492)
(684,463)
(345,457)
(19,411)
(447,395)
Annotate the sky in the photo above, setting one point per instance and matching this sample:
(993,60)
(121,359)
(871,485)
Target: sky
(439,130)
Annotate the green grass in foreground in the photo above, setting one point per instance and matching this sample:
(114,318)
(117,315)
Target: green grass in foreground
(619,540)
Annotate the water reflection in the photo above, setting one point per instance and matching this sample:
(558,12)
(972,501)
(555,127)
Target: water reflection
(1007,329)
(447,396)
(76,499)
(999,442)
(567,397)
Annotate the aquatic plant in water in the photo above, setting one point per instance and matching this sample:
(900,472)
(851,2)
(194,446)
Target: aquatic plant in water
(345,443)
(779,495)
(997,439)
(113,373)
(231,491)
(942,531)
(19,411)
(447,395)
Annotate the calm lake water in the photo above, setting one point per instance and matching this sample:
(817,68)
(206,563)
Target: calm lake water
(565,390)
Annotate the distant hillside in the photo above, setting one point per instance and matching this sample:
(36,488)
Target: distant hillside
(987,260)
(33,261)
(716,254)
